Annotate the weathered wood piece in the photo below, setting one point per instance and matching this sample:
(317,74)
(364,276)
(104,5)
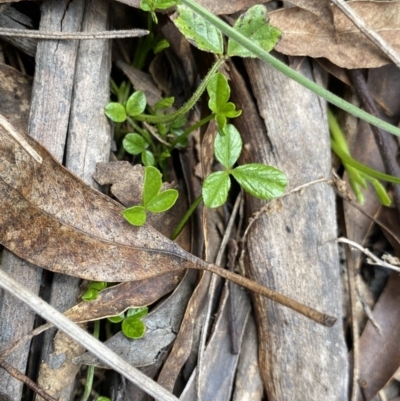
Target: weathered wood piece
(49,115)
(288,249)
(89,142)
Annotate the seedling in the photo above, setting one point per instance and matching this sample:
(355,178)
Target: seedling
(259,180)
(152,199)
(93,289)
(132,325)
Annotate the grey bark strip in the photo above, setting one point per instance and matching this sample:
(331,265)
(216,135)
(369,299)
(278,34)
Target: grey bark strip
(49,114)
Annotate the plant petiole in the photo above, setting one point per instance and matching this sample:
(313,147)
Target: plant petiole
(189,130)
(186,217)
(188,105)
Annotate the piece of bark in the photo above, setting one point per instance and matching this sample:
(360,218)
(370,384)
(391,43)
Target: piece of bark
(219,364)
(48,122)
(89,142)
(11,18)
(248,383)
(288,250)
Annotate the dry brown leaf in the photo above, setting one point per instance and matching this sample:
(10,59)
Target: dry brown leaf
(306,34)
(216,7)
(133,294)
(321,8)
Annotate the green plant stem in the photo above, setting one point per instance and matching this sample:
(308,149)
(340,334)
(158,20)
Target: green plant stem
(90,369)
(188,105)
(186,217)
(189,130)
(361,167)
(263,55)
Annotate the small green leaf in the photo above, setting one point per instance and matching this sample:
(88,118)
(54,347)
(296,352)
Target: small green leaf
(137,313)
(227,148)
(134,144)
(221,122)
(219,92)
(381,192)
(163,201)
(215,189)
(90,295)
(152,184)
(148,158)
(229,110)
(135,215)
(179,122)
(198,31)
(164,103)
(254,24)
(101,398)
(115,112)
(133,328)
(261,181)
(136,104)
(97,285)
(160,46)
(117,319)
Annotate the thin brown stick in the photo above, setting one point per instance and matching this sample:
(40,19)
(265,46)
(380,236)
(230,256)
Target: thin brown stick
(25,379)
(232,254)
(25,33)
(367,31)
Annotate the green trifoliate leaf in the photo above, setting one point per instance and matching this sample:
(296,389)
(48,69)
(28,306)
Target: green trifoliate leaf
(90,295)
(261,181)
(152,184)
(136,104)
(160,46)
(134,144)
(133,328)
(215,189)
(219,92)
(117,318)
(115,112)
(148,158)
(254,24)
(228,146)
(164,103)
(163,201)
(198,31)
(135,215)
(137,313)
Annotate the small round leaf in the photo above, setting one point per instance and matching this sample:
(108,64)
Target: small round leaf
(261,181)
(148,158)
(90,295)
(138,313)
(219,92)
(117,319)
(134,144)
(163,201)
(152,184)
(133,328)
(115,112)
(97,285)
(135,215)
(136,104)
(215,189)
(228,146)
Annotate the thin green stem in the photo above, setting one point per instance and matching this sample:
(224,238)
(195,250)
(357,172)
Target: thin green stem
(186,217)
(189,130)
(90,369)
(337,133)
(263,55)
(361,167)
(188,105)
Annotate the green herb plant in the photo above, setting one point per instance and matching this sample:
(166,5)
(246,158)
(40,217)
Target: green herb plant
(153,199)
